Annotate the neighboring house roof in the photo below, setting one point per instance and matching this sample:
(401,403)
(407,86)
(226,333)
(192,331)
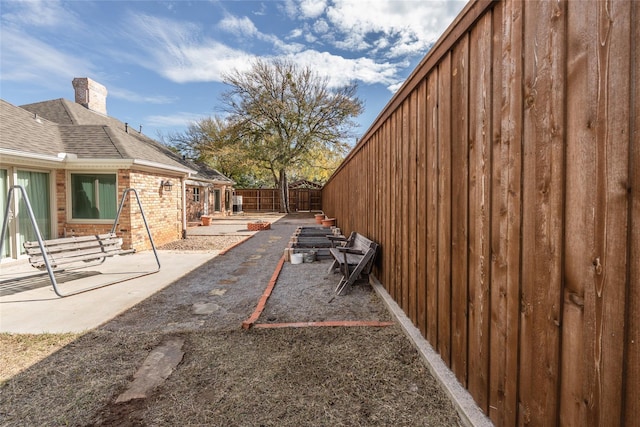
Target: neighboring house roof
(206,173)
(303,183)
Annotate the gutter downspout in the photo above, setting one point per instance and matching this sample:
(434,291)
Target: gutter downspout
(184,207)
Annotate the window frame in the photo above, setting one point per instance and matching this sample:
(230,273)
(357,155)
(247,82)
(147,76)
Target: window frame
(69,196)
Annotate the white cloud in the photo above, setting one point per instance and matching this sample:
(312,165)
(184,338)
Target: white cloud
(26,59)
(238,26)
(38,13)
(295,33)
(341,71)
(321,26)
(400,27)
(312,8)
(245,28)
(290,8)
(179,52)
(130,96)
(180,119)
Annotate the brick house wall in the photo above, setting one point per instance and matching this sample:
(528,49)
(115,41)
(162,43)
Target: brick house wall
(196,208)
(162,210)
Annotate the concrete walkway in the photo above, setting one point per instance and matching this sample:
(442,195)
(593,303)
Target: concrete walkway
(233,225)
(28,303)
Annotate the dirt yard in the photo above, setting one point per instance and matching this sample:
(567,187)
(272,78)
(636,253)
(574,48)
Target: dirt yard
(310,376)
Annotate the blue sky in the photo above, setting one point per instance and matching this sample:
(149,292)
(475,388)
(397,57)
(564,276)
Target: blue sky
(162,62)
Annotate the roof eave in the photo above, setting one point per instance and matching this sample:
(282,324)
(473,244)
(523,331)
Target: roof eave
(30,159)
(156,166)
(68,161)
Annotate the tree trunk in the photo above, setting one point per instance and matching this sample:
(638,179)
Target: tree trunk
(284,191)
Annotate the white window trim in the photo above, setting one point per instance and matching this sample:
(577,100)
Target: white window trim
(69,201)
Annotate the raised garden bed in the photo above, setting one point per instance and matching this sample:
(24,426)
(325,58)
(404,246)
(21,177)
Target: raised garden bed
(258,226)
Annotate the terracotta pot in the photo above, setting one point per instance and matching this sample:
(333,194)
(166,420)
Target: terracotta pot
(319,218)
(206,220)
(329,222)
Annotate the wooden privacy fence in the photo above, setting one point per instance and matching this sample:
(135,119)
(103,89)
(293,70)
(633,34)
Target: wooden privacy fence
(502,182)
(268,199)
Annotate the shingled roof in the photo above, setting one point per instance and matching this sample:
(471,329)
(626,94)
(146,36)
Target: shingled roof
(57,126)
(91,135)
(206,172)
(21,130)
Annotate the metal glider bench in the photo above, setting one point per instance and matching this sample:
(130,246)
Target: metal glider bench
(72,253)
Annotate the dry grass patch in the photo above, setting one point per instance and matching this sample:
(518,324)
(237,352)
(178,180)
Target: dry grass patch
(286,377)
(19,351)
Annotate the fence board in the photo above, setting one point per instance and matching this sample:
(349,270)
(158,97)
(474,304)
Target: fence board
(542,207)
(578,328)
(611,212)
(395,219)
(479,191)
(506,214)
(421,188)
(404,216)
(459,209)
(432,208)
(390,202)
(412,203)
(632,341)
(498,226)
(444,210)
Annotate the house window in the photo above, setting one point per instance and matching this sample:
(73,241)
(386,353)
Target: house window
(216,200)
(196,194)
(93,196)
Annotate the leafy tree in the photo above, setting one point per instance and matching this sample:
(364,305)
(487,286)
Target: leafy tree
(282,116)
(212,140)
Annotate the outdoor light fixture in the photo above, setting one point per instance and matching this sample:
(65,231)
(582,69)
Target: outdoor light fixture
(167,185)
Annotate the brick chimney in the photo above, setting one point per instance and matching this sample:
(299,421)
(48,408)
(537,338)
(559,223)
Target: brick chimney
(90,94)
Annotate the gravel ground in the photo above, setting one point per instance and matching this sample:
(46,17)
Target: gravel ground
(203,243)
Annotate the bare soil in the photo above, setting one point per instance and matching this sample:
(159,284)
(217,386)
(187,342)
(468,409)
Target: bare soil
(333,376)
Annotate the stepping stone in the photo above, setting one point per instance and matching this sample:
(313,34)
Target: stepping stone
(249,264)
(205,308)
(156,368)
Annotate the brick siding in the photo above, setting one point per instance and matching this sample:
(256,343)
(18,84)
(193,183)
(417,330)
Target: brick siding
(162,208)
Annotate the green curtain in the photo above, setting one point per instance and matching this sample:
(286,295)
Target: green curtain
(4,185)
(94,196)
(36,184)
(107,196)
